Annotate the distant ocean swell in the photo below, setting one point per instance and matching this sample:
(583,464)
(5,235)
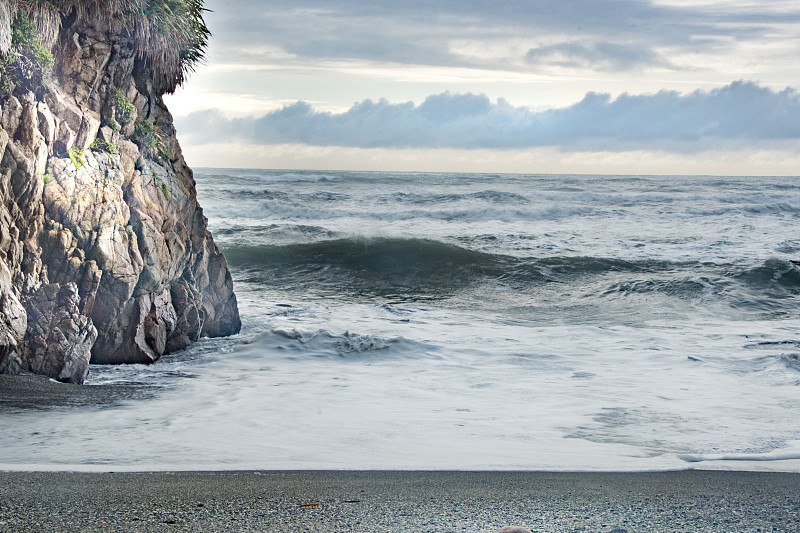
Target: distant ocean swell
(554,203)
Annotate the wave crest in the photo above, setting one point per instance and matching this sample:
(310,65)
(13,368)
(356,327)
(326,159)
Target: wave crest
(321,343)
(400,269)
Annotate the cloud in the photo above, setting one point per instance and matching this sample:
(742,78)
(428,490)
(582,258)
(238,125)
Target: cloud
(617,34)
(600,55)
(737,115)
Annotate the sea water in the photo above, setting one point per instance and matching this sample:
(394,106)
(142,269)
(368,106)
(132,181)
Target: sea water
(465,321)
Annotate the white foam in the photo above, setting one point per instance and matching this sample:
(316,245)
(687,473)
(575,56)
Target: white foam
(436,392)
(789,452)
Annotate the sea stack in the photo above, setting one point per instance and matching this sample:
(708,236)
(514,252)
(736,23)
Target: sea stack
(105,255)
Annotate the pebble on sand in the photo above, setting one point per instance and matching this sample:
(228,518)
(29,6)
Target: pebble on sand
(512,529)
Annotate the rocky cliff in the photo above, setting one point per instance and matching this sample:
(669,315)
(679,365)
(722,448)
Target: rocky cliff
(105,256)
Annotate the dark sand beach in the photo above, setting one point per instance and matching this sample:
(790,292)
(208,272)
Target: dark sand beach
(286,501)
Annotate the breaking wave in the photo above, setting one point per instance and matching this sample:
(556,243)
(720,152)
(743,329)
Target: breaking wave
(315,344)
(423,269)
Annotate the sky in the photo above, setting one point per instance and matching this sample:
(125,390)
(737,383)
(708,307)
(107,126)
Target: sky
(530,86)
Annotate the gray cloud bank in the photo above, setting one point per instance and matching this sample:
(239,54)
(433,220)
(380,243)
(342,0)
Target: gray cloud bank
(611,35)
(737,115)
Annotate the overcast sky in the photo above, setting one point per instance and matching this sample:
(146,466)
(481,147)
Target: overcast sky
(600,86)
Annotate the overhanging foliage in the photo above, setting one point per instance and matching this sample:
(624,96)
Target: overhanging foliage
(170,35)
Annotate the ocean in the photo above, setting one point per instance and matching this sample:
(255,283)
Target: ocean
(467,322)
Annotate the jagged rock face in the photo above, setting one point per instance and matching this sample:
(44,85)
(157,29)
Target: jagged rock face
(59,338)
(104,253)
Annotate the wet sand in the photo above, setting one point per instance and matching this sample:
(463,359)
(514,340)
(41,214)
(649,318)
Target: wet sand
(287,501)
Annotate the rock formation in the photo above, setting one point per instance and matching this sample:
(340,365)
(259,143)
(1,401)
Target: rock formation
(104,250)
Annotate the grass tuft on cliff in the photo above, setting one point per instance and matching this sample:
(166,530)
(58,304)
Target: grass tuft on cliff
(169,35)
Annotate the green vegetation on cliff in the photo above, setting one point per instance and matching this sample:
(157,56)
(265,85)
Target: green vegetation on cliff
(169,35)
(23,39)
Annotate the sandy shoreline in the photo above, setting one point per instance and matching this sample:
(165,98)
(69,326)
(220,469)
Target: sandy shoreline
(304,501)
